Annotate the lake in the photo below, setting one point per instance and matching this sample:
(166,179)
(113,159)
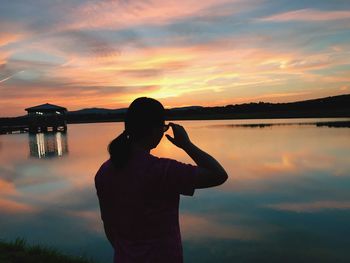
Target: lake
(287,198)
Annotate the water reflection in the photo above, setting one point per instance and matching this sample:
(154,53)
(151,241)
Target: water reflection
(48,145)
(287,199)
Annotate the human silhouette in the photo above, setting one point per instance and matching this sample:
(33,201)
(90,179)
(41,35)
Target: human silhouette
(139,193)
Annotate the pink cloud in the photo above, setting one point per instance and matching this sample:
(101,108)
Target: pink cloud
(308,15)
(119,14)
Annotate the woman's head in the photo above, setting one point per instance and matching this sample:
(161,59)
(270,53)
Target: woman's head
(144,125)
(145,119)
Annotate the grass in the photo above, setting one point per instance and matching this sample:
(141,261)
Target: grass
(19,251)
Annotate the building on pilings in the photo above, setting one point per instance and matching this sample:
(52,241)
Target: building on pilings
(46,118)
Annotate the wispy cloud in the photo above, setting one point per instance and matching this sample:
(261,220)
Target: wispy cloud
(9,77)
(124,14)
(308,15)
(9,37)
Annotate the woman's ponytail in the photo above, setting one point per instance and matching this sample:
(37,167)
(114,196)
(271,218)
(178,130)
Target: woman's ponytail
(142,116)
(119,150)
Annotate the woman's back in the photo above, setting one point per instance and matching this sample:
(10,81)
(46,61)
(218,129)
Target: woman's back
(140,203)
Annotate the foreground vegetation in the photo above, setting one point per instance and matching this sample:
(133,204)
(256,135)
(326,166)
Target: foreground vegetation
(20,252)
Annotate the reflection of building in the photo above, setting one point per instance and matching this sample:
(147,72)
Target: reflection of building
(46,145)
(46,117)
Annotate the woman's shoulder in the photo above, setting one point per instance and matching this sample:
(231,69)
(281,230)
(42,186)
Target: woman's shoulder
(163,164)
(104,168)
(106,165)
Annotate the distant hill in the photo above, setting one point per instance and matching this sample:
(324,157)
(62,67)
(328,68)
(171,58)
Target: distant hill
(97,111)
(123,110)
(187,108)
(337,106)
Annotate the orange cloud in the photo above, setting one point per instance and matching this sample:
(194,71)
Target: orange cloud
(344,88)
(7,38)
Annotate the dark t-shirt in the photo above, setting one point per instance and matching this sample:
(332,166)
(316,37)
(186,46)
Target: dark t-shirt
(140,206)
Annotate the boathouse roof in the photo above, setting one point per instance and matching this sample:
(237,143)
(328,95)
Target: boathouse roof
(47,107)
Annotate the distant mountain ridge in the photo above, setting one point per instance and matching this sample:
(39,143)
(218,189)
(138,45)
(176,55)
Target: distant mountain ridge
(336,106)
(325,100)
(98,111)
(122,110)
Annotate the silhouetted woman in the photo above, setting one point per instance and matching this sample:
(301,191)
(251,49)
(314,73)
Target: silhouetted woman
(139,193)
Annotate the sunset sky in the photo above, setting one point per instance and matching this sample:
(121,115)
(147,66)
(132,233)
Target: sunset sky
(80,54)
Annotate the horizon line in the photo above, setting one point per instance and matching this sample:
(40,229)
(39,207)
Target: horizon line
(179,107)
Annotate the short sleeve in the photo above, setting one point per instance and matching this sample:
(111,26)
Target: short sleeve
(179,177)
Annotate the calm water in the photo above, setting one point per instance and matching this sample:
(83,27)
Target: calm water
(287,198)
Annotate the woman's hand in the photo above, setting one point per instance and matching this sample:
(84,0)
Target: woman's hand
(210,171)
(180,138)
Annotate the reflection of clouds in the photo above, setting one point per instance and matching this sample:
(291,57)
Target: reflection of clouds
(8,206)
(258,160)
(11,200)
(198,227)
(8,192)
(311,15)
(310,207)
(29,173)
(7,188)
(56,197)
(90,219)
(296,163)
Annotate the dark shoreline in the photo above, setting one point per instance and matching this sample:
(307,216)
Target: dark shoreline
(330,107)
(329,124)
